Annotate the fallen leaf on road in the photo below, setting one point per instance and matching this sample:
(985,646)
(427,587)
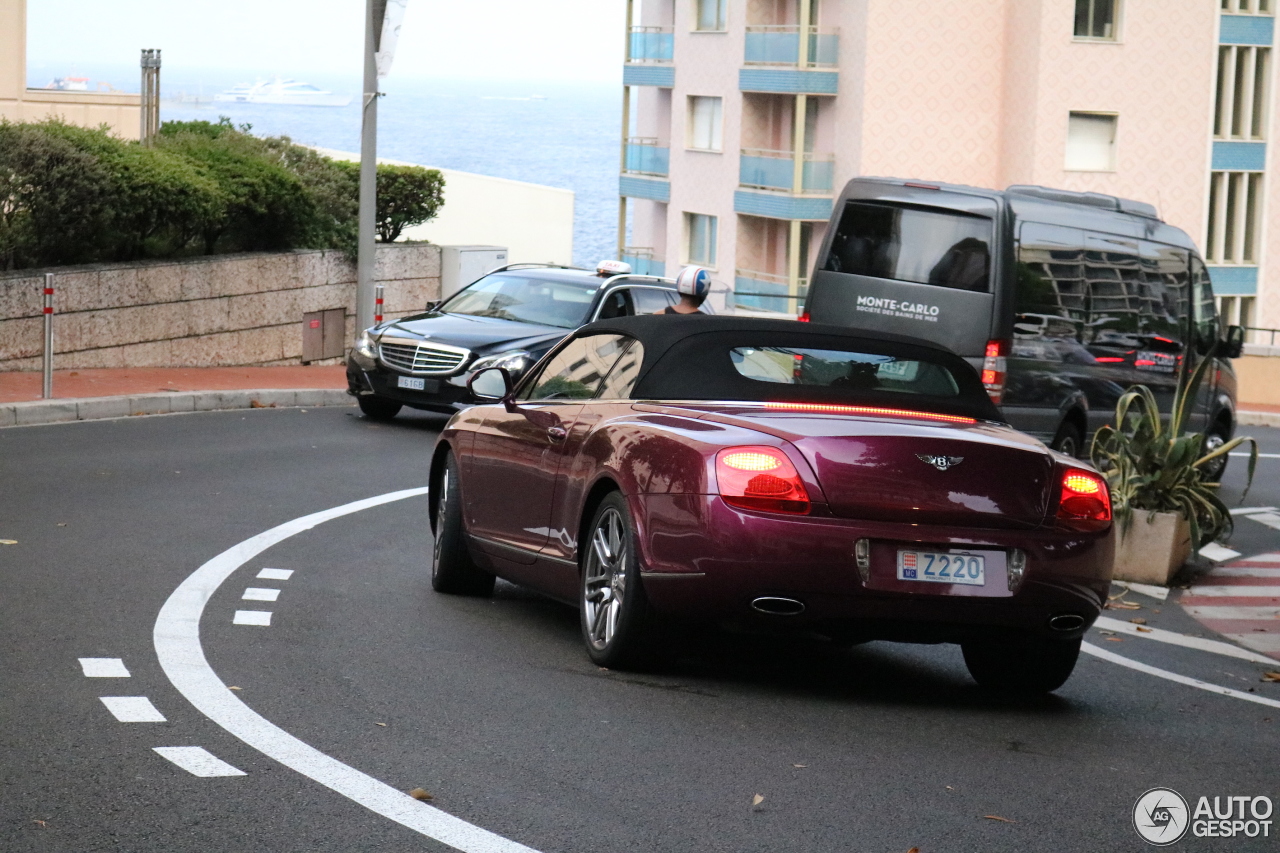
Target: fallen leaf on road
(1144,630)
(43,824)
(419,794)
(1271,676)
(384,725)
(800,765)
(1115,639)
(756,801)
(234,688)
(949,788)
(914,850)
(255,404)
(62,524)
(8,541)
(997,817)
(1123,605)
(1138,620)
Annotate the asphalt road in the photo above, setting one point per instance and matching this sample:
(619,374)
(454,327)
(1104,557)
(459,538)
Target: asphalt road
(492,706)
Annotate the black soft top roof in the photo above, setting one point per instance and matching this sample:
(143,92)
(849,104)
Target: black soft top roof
(686,358)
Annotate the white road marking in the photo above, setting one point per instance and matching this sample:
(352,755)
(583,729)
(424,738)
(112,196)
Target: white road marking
(198,761)
(177,641)
(1261,642)
(1270,519)
(103,668)
(132,709)
(1261,558)
(1244,572)
(1208,611)
(1260,455)
(252,617)
(1250,510)
(254,593)
(1111,657)
(1218,553)
(1236,591)
(275,574)
(1157,592)
(1173,638)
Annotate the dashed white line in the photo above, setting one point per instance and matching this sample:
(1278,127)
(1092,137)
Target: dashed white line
(1260,558)
(1209,611)
(177,642)
(1244,572)
(275,574)
(1236,591)
(1250,510)
(1120,660)
(252,617)
(198,761)
(254,593)
(1173,638)
(103,668)
(132,709)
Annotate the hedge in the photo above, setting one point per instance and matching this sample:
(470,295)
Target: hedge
(73,195)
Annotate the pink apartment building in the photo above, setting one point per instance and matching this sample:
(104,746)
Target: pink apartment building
(744,119)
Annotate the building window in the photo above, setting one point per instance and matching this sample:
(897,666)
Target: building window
(705,133)
(1235,210)
(710,15)
(1091,142)
(1096,19)
(702,238)
(1247,7)
(1241,100)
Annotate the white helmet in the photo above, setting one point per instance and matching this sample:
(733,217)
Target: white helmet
(694,281)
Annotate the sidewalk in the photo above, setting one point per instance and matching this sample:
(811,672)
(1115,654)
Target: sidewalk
(114,393)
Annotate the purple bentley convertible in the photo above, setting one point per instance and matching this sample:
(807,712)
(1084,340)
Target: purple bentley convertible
(773,474)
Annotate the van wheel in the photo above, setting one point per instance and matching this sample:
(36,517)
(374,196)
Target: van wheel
(1030,665)
(1069,440)
(1213,439)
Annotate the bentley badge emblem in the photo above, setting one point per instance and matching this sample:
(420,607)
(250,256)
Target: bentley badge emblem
(942,463)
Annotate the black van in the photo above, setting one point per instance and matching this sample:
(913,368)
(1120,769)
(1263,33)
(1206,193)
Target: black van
(1062,299)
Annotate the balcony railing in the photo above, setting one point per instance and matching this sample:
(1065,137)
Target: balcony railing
(651,44)
(782,45)
(775,170)
(646,157)
(763,291)
(642,261)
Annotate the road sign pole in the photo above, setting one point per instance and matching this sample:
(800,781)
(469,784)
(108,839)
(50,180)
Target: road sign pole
(48,336)
(366,246)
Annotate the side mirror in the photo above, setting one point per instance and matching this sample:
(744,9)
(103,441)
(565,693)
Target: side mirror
(490,385)
(1233,344)
(433,304)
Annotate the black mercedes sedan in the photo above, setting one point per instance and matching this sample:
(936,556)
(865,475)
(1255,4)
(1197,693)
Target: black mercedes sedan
(509,318)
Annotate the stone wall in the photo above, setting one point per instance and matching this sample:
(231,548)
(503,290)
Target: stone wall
(221,310)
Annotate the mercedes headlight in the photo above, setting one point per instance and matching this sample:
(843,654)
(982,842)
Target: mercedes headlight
(515,361)
(365,349)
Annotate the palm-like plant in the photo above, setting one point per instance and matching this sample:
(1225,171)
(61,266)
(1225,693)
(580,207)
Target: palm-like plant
(1153,464)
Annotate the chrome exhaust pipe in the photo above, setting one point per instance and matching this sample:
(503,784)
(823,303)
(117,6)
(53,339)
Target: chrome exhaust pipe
(775,606)
(1065,622)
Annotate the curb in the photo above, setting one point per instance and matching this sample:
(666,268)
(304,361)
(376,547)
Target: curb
(1267,419)
(100,408)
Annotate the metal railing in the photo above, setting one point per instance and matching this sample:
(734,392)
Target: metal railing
(646,157)
(764,291)
(643,261)
(1250,339)
(781,45)
(651,44)
(775,170)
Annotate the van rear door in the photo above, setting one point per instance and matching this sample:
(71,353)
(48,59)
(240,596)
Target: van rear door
(922,270)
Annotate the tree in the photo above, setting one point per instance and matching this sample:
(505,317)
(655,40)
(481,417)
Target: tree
(407,196)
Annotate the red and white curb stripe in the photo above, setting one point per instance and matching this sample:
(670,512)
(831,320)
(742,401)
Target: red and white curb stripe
(1241,600)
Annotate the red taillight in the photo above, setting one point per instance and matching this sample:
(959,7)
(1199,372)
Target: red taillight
(994,368)
(1085,501)
(804,318)
(873,411)
(760,478)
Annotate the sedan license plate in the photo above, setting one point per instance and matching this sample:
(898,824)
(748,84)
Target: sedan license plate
(411,382)
(935,567)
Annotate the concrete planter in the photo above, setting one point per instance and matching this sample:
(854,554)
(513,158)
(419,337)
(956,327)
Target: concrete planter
(1153,548)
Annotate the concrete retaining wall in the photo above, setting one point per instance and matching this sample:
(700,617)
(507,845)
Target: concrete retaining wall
(222,310)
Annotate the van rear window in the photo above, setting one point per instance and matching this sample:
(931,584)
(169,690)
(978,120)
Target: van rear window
(927,246)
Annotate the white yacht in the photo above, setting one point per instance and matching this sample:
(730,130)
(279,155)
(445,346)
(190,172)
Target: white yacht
(280,91)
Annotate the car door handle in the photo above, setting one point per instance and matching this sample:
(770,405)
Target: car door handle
(557,433)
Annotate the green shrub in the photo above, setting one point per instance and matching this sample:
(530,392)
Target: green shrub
(407,196)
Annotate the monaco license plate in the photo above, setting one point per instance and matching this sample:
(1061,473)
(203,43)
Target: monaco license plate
(412,383)
(937,567)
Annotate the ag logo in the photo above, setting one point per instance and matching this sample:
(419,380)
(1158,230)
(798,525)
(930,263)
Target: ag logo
(1160,816)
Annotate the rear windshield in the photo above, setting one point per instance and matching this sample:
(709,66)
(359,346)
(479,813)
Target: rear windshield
(815,367)
(528,300)
(923,245)
(844,369)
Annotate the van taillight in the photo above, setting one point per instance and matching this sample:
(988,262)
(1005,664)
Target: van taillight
(994,367)
(761,478)
(804,318)
(1084,501)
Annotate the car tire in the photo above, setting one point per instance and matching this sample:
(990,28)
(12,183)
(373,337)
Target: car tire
(452,570)
(1026,664)
(617,620)
(1069,440)
(1213,439)
(378,409)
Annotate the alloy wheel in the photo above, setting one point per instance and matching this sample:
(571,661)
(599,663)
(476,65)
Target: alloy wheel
(605,587)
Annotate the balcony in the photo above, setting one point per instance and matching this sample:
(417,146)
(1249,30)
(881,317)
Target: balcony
(651,44)
(783,46)
(642,261)
(762,291)
(646,157)
(760,168)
